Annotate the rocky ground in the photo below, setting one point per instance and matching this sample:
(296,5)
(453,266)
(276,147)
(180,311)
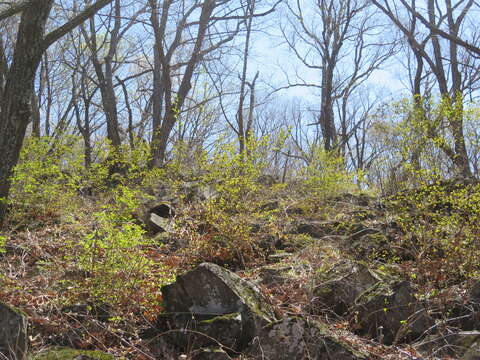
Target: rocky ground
(341,283)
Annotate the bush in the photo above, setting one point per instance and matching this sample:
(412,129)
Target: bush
(222,229)
(441,226)
(47,178)
(115,253)
(325,175)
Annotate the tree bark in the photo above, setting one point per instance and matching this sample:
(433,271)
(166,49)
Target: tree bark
(162,134)
(15,106)
(15,99)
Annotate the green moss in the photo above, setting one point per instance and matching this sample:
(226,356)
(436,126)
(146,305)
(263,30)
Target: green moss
(226,317)
(70,354)
(382,289)
(15,310)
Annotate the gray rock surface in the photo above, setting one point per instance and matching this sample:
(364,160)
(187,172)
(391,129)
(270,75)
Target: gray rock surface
(210,290)
(13,333)
(296,339)
(389,312)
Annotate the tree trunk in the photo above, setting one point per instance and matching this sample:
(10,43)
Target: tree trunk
(15,99)
(172,109)
(15,106)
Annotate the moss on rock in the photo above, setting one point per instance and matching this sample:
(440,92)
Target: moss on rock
(70,354)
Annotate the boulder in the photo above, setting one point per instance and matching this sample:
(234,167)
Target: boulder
(196,331)
(379,305)
(315,229)
(296,338)
(158,218)
(368,243)
(13,333)
(210,290)
(389,312)
(196,191)
(211,353)
(274,275)
(319,229)
(337,289)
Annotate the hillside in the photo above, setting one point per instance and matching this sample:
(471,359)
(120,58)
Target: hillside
(373,278)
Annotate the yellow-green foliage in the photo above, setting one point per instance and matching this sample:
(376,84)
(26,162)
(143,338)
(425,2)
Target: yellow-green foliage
(46,179)
(3,242)
(228,215)
(421,131)
(130,164)
(441,222)
(114,252)
(325,175)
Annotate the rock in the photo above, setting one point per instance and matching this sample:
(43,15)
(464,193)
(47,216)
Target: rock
(362,199)
(13,333)
(72,354)
(456,345)
(337,289)
(295,338)
(214,291)
(315,229)
(195,331)
(368,244)
(274,274)
(319,229)
(196,191)
(158,218)
(389,312)
(212,353)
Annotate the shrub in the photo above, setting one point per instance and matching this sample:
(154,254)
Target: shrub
(325,175)
(441,226)
(115,253)
(47,178)
(222,230)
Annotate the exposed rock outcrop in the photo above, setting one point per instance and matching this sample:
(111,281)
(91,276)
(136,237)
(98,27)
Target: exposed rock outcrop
(296,338)
(210,306)
(213,307)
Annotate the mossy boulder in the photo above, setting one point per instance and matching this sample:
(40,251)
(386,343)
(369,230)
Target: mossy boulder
(189,331)
(337,289)
(295,338)
(214,291)
(72,354)
(368,243)
(275,274)
(389,312)
(13,333)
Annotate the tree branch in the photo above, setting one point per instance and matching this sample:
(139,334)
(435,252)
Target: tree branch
(73,23)
(15,9)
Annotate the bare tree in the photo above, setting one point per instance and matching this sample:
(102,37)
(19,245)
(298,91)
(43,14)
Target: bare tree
(19,75)
(444,60)
(337,39)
